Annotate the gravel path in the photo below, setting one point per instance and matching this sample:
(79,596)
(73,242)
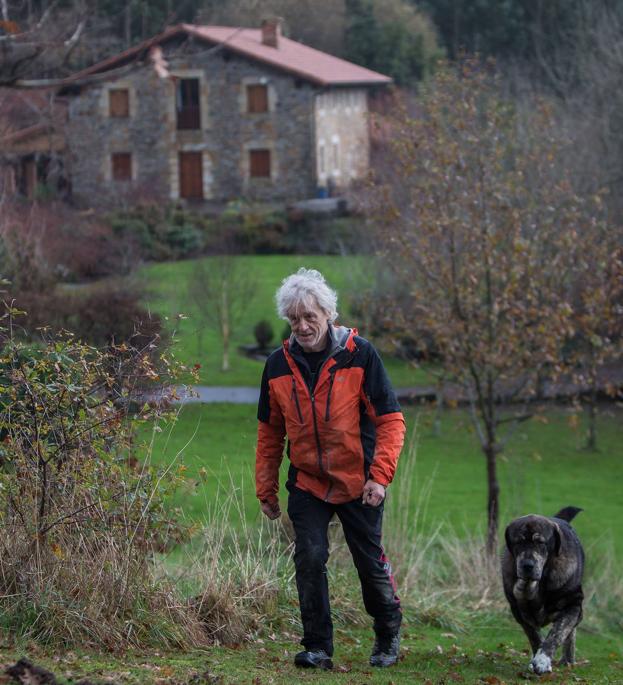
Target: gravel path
(453,393)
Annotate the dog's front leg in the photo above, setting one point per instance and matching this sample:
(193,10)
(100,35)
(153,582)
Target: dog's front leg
(533,635)
(568,650)
(561,629)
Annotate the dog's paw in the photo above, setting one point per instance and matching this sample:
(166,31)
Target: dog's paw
(540,663)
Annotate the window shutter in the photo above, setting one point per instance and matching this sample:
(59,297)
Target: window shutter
(191,175)
(121,166)
(259,163)
(119,102)
(257,98)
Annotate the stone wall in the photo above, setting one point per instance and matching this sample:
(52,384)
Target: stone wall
(342,142)
(227,135)
(93,136)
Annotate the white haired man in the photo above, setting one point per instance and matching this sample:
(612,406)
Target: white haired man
(327,391)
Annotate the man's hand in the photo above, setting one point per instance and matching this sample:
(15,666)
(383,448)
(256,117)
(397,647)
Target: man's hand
(271,510)
(373,493)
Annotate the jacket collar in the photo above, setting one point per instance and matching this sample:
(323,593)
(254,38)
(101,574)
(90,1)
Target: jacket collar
(341,338)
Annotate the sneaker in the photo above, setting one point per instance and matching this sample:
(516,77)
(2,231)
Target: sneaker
(385,651)
(316,659)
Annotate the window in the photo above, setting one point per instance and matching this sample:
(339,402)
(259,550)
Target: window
(187,103)
(257,98)
(119,102)
(259,163)
(121,164)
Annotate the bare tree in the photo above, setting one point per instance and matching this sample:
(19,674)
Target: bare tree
(221,290)
(596,344)
(585,76)
(482,228)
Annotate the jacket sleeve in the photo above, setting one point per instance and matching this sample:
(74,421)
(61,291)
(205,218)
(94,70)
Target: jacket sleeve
(270,441)
(383,408)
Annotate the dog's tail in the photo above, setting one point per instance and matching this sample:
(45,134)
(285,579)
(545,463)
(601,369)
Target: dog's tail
(568,513)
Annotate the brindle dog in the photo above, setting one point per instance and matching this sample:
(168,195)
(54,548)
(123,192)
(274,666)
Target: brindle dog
(542,571)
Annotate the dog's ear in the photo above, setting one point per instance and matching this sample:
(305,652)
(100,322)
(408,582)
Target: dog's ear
(507,537)
(557,539)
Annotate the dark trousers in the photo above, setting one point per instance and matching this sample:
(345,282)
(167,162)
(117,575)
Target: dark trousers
(362,530)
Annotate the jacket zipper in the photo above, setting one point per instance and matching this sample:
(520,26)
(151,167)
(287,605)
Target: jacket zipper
(295,397)
(318,447)
(327,415)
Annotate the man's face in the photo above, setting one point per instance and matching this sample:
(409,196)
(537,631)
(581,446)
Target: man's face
(309,323)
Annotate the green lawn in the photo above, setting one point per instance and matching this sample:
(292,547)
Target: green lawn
(167,288)
(542,470)
(492,651)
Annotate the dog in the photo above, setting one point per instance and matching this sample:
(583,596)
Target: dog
(542,569)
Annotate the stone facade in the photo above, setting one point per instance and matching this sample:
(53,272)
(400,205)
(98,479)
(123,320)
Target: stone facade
(308,134)
(342,143)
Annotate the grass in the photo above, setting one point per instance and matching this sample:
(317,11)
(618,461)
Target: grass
(542,470)
(167,285)
(457,627)
(492,651)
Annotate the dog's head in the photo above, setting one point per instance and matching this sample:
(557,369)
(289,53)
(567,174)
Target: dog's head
(532,540)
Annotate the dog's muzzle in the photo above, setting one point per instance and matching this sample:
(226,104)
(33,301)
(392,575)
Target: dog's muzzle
(528,570)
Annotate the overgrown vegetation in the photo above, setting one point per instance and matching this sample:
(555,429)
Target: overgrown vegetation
(488,241)
(79,516)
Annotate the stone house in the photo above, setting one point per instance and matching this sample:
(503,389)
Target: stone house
(217,113)
(32,145)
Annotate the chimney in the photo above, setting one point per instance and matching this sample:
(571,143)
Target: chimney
(271,32)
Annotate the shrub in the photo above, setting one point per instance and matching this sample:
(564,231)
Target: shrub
(263,333)
(78,523)
(101,314)
(184,240)
(161,232)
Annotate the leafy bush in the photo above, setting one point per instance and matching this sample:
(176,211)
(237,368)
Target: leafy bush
(161,232)
(263,332)
(78,521)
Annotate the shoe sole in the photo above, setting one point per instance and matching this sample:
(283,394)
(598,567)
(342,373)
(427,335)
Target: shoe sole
(383,664)
(323,665)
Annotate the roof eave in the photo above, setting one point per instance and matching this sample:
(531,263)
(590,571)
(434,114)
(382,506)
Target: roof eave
(192,30)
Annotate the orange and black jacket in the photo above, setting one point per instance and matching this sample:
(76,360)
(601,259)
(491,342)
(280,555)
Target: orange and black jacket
(343,424)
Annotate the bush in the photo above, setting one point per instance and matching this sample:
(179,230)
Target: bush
(101,314)
(79,524)
(45,243)
(263,333)
(161,232)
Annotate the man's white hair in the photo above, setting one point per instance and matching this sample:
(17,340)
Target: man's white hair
(305,288)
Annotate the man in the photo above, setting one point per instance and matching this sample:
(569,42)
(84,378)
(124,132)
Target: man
(327,391)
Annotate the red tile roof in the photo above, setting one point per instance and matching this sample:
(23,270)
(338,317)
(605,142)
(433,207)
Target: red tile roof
(314,65)
(310,64)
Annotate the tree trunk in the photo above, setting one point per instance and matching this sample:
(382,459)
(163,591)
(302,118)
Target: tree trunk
(493,499)
(225,329)
(591,438)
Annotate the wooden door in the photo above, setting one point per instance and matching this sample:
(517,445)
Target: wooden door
(191,176)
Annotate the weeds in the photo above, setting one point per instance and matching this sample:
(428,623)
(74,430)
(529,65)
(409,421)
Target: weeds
(78,518)
(243,578)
